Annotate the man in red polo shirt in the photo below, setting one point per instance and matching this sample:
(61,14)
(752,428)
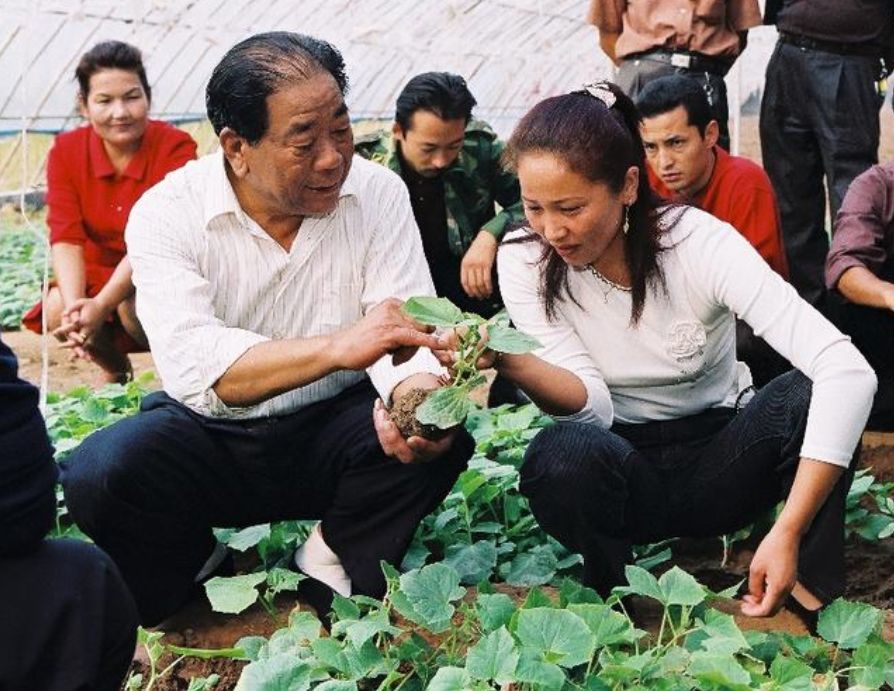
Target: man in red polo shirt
(685,165)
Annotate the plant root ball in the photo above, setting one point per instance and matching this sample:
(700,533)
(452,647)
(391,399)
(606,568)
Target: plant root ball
(403,414)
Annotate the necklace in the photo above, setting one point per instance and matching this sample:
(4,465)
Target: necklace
(606,285)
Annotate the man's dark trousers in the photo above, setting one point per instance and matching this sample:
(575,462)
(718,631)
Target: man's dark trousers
(819,118)
(149,489)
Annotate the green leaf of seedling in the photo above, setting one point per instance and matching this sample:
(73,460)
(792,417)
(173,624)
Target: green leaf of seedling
(234,594)
(252,646)
(719,669)
(791,674)
(280,580)
(717,633)
(281,672)
(444,408)
(532,669)
(336,685)
(505,339)
(534,567)
(493,658)
(433,311)
(873,664)
(679,588)
(609,628)
(244,539)
(415,556)
(562,636)
(849,624)
(572,593)
(494,610)
(450,679)
(474,563)
(344,609)
(425,596)
(643,583)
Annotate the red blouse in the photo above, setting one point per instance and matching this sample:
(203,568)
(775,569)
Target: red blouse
(89,204)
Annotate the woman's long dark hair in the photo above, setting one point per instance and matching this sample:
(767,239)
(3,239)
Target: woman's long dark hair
(600,143)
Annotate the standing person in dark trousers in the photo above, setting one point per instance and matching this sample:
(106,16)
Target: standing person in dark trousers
(819,121)
(451,166)
(271,276)
(656,38)
(860,268)
(66,619)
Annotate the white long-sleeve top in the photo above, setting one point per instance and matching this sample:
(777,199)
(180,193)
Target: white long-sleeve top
(680,359)
(211,283)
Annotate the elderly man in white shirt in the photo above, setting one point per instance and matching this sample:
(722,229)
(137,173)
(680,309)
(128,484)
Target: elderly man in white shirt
(269,280)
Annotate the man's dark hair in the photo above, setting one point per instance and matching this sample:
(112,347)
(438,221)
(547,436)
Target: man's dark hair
(667,93)
(252,70)
(442,93)
(110,55)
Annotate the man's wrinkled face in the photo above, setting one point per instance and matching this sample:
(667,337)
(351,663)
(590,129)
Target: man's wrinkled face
(430,145)
(678,154)
(299,165)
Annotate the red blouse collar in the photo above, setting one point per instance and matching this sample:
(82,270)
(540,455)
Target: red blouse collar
(102,166)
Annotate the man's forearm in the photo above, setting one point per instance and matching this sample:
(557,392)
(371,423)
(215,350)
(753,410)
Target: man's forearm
(862,287)
(271,368)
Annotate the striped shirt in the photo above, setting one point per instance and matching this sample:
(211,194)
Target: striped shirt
(211,284)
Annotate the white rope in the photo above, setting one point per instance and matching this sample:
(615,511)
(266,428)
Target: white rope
(39,232)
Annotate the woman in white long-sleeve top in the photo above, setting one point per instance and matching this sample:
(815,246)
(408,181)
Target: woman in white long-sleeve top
(659,434)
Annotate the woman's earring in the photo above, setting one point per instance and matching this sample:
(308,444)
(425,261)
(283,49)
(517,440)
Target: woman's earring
(626,227)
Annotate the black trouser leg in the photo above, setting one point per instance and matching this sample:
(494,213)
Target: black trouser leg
(149,489)
(793,161)
(67,620)
(710,474)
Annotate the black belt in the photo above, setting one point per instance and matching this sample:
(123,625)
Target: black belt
(695,62)
(807,43)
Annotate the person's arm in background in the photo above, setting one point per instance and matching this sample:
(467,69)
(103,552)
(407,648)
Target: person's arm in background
(477,268)
(861,241)
(607,16)
(27,469)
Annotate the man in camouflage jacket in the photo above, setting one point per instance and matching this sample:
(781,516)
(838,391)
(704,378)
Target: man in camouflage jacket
(451,165)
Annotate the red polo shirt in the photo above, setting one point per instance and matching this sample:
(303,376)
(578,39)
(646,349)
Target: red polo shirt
(89,204)
(739,192)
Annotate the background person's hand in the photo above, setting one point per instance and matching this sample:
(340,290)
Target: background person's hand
(477,265)
(384,329)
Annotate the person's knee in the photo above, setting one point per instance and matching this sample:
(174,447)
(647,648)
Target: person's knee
(567,454)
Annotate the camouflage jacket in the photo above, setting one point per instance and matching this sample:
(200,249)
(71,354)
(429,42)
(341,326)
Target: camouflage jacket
(472,185)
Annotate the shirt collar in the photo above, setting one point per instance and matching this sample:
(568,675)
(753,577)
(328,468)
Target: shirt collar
(101,165)
(220,199)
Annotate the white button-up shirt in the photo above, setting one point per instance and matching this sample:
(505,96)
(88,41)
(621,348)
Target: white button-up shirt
(211,283)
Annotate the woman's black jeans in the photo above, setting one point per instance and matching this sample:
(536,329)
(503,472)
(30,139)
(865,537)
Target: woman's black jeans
(599,491)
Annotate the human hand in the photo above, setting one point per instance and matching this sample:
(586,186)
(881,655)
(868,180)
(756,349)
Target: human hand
(477,264)
(772,574)
(384,329)
(412,450)
(449,344)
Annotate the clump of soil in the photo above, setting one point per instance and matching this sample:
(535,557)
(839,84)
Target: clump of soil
(403,414)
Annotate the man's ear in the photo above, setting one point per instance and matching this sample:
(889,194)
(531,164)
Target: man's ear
(81,103)
(397,131)
(234,148)
(712,133)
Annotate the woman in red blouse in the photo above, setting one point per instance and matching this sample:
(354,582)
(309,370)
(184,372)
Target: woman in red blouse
(95,174)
